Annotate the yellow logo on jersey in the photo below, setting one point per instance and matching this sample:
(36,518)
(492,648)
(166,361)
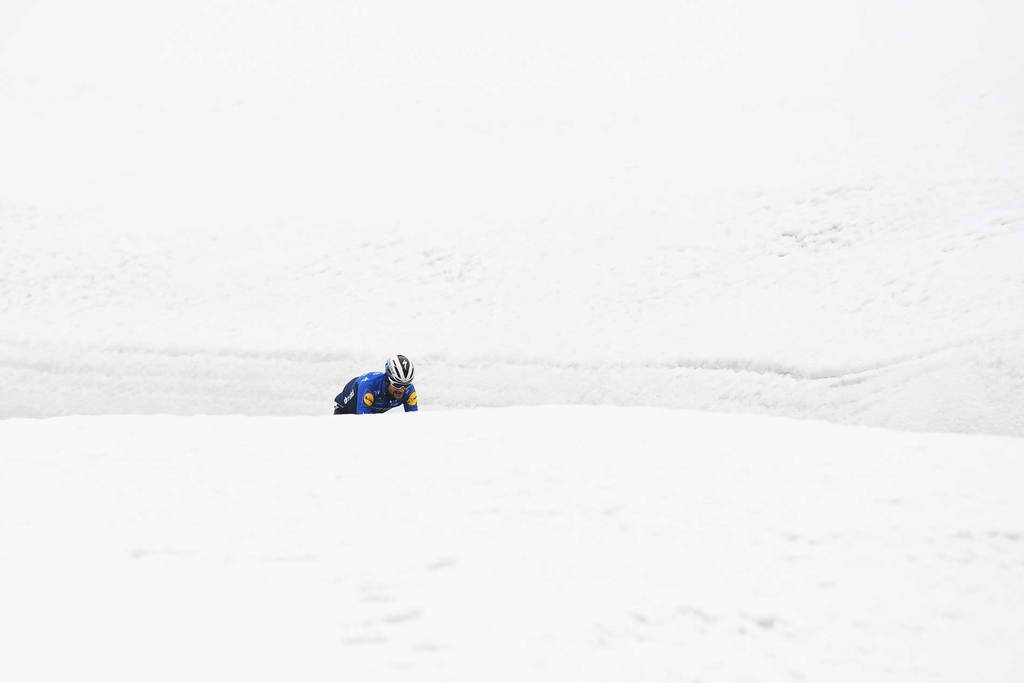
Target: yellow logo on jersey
(368,398)
(412,399)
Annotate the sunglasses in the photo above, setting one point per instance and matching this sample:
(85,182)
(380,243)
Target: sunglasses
(397,385)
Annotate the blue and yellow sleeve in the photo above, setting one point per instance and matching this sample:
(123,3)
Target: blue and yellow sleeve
(364,398)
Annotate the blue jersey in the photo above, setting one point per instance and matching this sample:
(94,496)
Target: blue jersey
(369,394)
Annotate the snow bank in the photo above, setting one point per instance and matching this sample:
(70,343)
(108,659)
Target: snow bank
(542,544)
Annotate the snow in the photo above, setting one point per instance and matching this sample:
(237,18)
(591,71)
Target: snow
(213,207)
(717,310)
(533,543)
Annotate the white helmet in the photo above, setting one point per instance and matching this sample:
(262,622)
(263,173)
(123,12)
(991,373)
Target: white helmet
(399,370)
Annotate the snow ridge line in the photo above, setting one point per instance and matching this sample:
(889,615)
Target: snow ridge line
(739,365)
(71,360)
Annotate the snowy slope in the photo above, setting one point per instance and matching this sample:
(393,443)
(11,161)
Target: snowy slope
(540,544)
(809,210)
(805,209)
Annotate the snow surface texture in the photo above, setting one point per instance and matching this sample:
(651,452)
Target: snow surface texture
(806,209)
(521,544)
